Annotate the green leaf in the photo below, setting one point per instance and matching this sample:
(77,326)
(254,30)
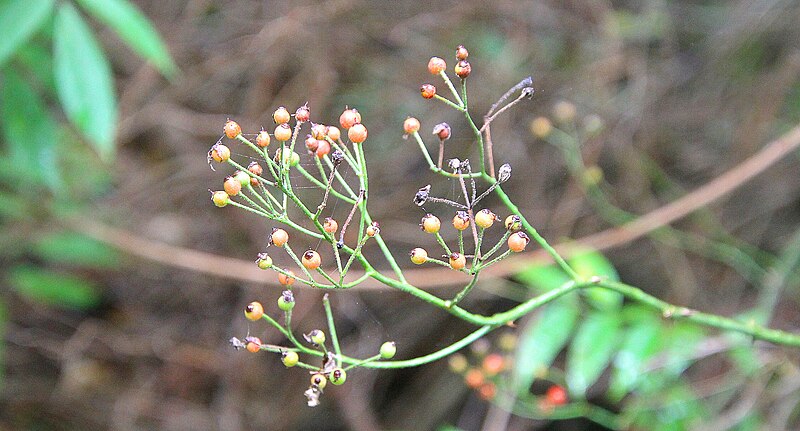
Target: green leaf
(643,340)
(36,62)
(75,249)
(135,29)
(84,81)
(52,288)
(542,339)
(19,20)
(590,263)
(591,350)
(29,131)
(542,278)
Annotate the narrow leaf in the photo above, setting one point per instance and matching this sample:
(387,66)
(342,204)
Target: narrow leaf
(542,278)
(542,339)
(84,81)
(642,341)
(590,263)
(28,130)
(52,288)
(591,350)
(19,20)
(135,29)
(75,249)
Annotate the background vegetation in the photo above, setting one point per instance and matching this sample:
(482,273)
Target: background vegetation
(111,319)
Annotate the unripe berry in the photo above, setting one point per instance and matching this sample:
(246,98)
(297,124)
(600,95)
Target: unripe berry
(330,225)
(507,341)
(442,131)
(373,229)
(253,311)
(458,261)
(436,65)
(311,260)
(290,358)
(518,241)
(556,395)
(279,237)
(461,220)
(255,169)
(318,131)
(232,129)
(485,218)
(264,261)
(430,223)
(220,198)
(302,114)
(311,143)
(289,157)
(283,132)
(564,111)
(388,350)
(286,279)
(219,153)
(323,148)
(458,363)
(338,376)
(541,127)
(286,300)
(513,223)
(474,378)
(463,69)
(357,133)
(262,139)
(487,391)
(319,381)
(349,118)
(411,125)
(493,364)
(461,53)
(242,177)
(427,91)
(334,133)
(317,337)
(253,344)
(281,116)
(419,256)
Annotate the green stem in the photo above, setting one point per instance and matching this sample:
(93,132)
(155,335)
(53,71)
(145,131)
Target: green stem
(332,329)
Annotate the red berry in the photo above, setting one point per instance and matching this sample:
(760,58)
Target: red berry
(357,133)
(311,143)
(436,65)
(279,237)
(442,131)
(487,391)
(463,69)
(262,139)
(323,148)
(232,129)
(556,395)
(255,168)
(311,260)
(349,118)
(281,116)
(474,378)
(427,91)
(493,364)
(411,125)
(302,114)
(461,53)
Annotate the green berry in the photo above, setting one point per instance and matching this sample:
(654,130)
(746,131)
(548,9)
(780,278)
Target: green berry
(388,349)
(286,301)
(319,380)
(220,198)
(317,337)
(242,177)
(264,261)
(338,376)
(289,358)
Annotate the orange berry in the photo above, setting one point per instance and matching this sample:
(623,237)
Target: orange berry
(302,114)
(334,133)
(253,344)
(232,186)
(281,116)
(463,69)
(311,143)
(323,148)
(461,220)
(485,218)
(279,237)
(373,229)
(461,53)
(430,223)
(253,311)
(357,133)
(283,132)
(411,125)
(474,378)
(493,364)
(330,225)
(219,153)
(556,395)
(286,279)
(458,261)
(311,260)
(349,118)
(232,129)
(541,127)
(487,391)
(262,139)
(427,91)
(436,65)
(419,256)
(518,241)
(255,168)
(318,131)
